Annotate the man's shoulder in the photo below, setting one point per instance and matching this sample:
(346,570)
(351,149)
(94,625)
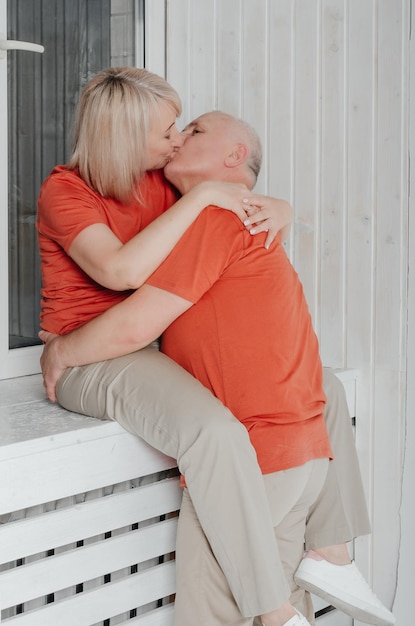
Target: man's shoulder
(213,216)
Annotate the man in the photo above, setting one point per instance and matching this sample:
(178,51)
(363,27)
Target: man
(250,341)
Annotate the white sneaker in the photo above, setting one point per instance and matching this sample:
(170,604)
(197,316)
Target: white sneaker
(345,588)
(297,620)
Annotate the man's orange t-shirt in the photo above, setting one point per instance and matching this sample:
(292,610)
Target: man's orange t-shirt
(248,337)
(66,206)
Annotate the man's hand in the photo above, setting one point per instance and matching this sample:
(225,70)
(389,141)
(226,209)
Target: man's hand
(50,364)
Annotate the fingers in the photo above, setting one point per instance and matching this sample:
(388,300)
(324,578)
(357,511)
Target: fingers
(270,238)
(261,223)
(49,375)
(50,392)
(258,221)
(45,336)
(49,384)
(252,206)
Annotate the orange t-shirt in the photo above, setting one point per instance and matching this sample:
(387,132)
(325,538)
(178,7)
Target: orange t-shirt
(248,337)
(67,205)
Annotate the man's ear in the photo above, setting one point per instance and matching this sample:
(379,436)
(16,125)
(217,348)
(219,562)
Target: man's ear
(237,156)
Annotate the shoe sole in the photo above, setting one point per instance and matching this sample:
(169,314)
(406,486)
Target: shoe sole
(348,607)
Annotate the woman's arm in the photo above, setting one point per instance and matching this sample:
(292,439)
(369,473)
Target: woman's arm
(101,255)
(128,326)
(112,264)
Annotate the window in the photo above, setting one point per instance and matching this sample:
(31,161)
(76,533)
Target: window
(80,38)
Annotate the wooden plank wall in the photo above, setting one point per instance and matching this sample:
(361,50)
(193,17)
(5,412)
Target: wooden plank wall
(325,83)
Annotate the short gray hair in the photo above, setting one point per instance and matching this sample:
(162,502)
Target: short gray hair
(254,160)
(246,133)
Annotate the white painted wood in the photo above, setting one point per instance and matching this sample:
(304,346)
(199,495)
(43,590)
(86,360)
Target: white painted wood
(59,494)
(88,608)
(403,609)
(307,148)
(332,178)
(361,210)
(179,35)
(279,137)
(63,526)
(154,36)
(202,46)
(160,617)
(63,570)
(64,471)
(230,57)
(254,102)
(390,283)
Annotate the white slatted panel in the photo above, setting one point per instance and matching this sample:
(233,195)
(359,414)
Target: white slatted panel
(325,84)
(163,616)
(61,526)
(91,557)
(45,576)
(88,516)
(92,606)
(48,478)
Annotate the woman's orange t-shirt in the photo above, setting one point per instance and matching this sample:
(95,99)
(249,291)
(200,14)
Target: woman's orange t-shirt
(67,205)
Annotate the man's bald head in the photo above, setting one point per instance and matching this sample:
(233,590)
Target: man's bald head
(218,146)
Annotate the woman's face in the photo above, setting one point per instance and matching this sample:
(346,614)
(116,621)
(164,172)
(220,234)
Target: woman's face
(164,138)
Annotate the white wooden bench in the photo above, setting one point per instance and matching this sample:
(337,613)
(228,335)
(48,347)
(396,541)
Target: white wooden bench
(88,516)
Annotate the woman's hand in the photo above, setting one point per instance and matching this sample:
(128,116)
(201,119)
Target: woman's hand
(258,213)
(225,195)
(52,369)
(267,214)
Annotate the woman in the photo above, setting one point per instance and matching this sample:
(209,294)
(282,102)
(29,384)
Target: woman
(103,228)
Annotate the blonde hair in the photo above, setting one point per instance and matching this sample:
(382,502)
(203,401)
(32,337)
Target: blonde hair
(112,124)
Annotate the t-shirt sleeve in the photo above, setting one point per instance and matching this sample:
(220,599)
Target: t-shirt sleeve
(66,206)
(201,256)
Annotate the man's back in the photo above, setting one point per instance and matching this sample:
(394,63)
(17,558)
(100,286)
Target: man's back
(248,337)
